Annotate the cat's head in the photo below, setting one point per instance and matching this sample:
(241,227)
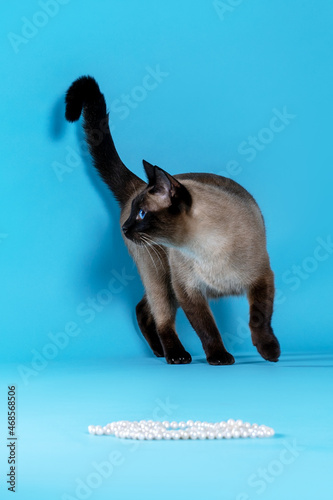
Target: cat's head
(158,213)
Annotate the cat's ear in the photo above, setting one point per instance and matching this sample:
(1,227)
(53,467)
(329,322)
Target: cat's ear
(158,178)
(166,185)
(150,171)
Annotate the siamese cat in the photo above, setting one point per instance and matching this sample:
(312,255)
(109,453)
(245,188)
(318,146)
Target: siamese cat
(193,236)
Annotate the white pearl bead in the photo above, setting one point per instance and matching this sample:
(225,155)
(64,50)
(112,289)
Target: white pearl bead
(150,429)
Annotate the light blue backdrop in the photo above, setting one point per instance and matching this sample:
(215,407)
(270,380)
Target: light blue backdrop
(240,88)
(243,90)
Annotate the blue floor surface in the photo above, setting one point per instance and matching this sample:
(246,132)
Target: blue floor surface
(58,459)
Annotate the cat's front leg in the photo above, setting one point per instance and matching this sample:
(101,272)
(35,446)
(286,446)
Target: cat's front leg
(174,352)
(201,318)
(156,313)
(163,307)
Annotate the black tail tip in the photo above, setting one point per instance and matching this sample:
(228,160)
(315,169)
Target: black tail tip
(82,90)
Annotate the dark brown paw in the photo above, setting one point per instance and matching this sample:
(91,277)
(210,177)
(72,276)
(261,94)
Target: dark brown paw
(178,358)
(223,358)
(269,349)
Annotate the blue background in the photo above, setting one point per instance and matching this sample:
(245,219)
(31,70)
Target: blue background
(225,71)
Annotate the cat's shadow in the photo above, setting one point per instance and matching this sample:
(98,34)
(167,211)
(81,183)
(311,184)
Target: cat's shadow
(57,124)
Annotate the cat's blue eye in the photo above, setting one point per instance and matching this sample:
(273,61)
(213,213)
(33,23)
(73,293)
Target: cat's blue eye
(142,214)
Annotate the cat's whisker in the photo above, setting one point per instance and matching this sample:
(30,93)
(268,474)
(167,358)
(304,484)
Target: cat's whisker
(156,244)
(161,248)
(147,242)
(154,250)
(156,253)
(145,246)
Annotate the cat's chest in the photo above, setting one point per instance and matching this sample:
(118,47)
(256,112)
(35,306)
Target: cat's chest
(214,275)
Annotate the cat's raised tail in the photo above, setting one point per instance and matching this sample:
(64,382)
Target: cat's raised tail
(84,96)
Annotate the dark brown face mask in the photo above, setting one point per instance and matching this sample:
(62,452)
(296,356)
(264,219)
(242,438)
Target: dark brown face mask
(155,210)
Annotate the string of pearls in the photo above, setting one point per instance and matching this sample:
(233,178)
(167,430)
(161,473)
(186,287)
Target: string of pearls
(150,429)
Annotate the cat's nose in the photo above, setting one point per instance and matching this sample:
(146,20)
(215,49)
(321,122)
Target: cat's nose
(125,229)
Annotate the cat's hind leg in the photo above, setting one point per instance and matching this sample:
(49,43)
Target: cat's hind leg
(261,297)
(147,326)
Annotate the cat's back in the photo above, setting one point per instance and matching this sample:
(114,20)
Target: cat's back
(222,209)
(217,181)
